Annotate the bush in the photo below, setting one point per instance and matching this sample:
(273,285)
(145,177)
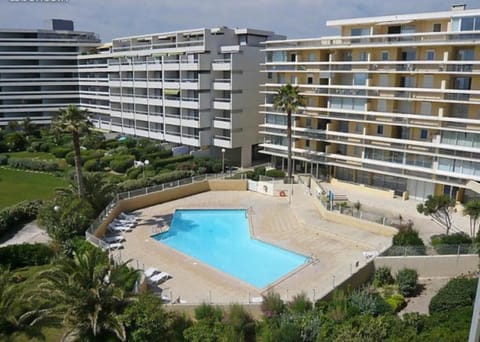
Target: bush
(16,256)
(448,244)
(121,164)
(406,279)
(300,303)
(34,164)
(396,302)
(272,305)
(3,159)
(366,302)
(17,215)
(457,293)
(382,277)
(409,239)
(60,152)
(275,173)
(134,172)
(159,163)
(93,165)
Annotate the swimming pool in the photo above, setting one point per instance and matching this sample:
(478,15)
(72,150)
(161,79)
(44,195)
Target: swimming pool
(221,239)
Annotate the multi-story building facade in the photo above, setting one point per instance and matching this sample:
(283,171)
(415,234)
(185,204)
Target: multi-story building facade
(393,102)
(38,70)
(197,88)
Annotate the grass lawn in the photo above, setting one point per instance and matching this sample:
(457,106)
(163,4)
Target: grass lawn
(33,155)
(17,186)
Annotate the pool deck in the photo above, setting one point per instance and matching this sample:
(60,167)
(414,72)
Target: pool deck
(335,250)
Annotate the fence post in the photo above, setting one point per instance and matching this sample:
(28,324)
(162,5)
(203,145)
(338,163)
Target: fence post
(458,250)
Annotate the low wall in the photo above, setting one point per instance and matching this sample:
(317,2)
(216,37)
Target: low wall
(167,195)
(364,188)
(356,280)
(432,265)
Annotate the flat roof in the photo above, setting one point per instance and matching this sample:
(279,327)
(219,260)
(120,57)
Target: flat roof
(402,17)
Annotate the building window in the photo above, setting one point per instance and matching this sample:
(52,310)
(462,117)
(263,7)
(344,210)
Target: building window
(363,56)
(307,143)
(293,57)
(312,57)
(308,123)
(269,75)
(437,27)
(423,134)
(384,55)
(309,80)
(380,129)
(430,55)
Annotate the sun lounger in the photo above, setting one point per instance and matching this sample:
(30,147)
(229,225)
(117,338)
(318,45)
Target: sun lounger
(116,245)
(151,271)
(127,217)
(123,223)
(114,228)
(160,278)
(114,238)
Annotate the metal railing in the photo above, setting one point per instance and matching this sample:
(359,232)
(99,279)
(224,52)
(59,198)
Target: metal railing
(90,233)
(432,250)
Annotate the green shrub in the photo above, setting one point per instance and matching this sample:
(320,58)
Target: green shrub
(208,312)
(367,302)
(60,152)
(449,244)
(396,302)
(300,303)
(134,172)
(406,279)
(152,155)
(34,164)
(45,147)
(93,165)
(407,237)
(3,159)
(382,276)
(16,256)
(121,164)
(159,163)
(272,305)
(458,292)
(275,173)
(17,215)
(133,184)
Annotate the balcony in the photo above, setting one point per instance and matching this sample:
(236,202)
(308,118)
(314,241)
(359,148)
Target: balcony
(222,84)
(222,104)
(222,141)
(221,64)
(222,122)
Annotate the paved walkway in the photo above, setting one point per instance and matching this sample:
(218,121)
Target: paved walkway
(30,233)
(397,206)
(336,250)
(420,303)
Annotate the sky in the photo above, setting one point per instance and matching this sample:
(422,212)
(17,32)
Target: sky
(120,18)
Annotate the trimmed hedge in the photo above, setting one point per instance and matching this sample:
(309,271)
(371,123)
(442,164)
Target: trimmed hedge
(60,152)
(457,293)
(274,173)
(16,256)
(122,164)
(159,163)
(34,164)
(19,214)
(133,184)
(93,165)
(3,159)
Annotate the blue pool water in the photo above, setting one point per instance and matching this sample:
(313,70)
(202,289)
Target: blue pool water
(221,238)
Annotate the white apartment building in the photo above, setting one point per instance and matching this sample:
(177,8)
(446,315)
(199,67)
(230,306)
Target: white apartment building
(392,102)
(198,88)
(38,70)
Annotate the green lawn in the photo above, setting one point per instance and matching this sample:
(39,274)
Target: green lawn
(16,186)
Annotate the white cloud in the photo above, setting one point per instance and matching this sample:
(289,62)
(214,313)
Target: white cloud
(117,18)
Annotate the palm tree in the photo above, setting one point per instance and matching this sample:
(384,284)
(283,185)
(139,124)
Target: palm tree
(472,209)
(288,99)
(90,293)
(74,121)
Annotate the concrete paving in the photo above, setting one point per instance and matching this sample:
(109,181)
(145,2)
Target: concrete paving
(30,233)
(335,250)
(393,207)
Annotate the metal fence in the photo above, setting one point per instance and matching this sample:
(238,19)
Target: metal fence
(432,250)
(90,233)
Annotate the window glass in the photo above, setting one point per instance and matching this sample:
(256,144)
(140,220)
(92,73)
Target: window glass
(423,134)
(456,24)
(437,27)
(477,23)
(279,56)
(360,79)
(466,24)
(380,129)
(363,56)
(430,55)
(384,55)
